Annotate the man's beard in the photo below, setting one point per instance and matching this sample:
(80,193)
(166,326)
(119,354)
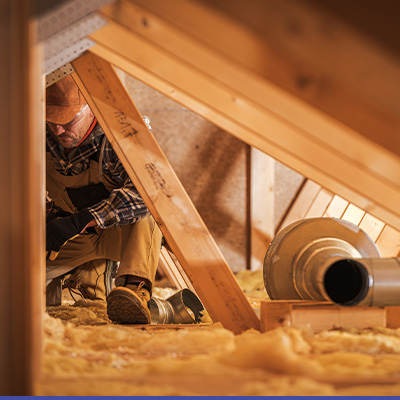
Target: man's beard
(72,141)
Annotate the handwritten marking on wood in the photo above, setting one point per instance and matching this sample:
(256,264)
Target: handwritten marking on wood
(158,179)
(126,127)
(179,221)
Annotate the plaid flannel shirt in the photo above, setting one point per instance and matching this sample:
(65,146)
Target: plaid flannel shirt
(124,205)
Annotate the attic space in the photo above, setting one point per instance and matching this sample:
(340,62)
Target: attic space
(200,198)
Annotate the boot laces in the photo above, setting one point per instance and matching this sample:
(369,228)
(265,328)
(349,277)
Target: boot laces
(139,290)
(80,290)
(70,285)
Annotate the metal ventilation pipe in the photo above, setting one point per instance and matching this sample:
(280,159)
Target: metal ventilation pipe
(328,259)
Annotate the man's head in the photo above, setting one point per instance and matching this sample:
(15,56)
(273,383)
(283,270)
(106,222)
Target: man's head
(67,113)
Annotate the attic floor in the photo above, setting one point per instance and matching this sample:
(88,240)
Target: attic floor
(84,354)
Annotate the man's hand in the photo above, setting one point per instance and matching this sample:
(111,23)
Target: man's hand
(60,230)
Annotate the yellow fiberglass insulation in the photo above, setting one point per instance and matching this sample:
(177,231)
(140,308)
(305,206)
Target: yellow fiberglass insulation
(84,354)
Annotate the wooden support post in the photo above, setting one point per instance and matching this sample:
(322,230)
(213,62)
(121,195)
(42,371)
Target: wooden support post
(22,201)
(164,195)
(262,206)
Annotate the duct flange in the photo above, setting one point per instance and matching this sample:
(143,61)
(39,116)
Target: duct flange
(300,257)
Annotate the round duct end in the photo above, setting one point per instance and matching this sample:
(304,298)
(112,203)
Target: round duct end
(346,282)
(298,257)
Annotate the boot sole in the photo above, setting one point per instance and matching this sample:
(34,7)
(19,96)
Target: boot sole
(123,307)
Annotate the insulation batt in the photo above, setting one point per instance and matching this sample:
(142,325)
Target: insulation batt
(95,357)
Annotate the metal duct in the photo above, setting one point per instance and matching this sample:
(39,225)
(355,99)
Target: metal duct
(328,259)
(183,307)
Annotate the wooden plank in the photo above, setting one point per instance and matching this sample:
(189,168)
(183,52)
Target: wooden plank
(371,226)
(302,203)
(388,242)
(319,204)
(22,202)
(175,270)
(168,267)
(327,317)
(336,208)
(347,143)
(35,264)
(353,214)
(218,383)
(167,327)
(319,315)
(166,198)
(386,238)
(286,53)
(393,317)
(287,144)
(275,314)
(262,206)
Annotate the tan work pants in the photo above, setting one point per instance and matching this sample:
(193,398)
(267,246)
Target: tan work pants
(136,246)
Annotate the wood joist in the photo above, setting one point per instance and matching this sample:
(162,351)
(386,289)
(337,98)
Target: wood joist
(340,130)
(164,195)
(314,201)
(22,211)
(321,316)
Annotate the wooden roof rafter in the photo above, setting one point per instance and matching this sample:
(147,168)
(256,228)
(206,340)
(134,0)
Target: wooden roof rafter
(168,48)
(349,121)
(164,195)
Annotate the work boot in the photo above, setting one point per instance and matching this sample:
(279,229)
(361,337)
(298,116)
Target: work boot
(54,291)
(92,280)
(128,304)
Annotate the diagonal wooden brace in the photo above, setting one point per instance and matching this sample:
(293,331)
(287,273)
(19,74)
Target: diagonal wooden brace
(167,200)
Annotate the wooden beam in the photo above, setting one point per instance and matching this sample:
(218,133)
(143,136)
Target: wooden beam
(283,43)
(393,317)
(321,315)
(301,203)
(168,269)
(164,195)
(175,273)
(34,230)
(22,201)
(372,226)
(353,214)
(314,201)
(262,206)
(388,242)
(319,204)
(336,207)
(178,62)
